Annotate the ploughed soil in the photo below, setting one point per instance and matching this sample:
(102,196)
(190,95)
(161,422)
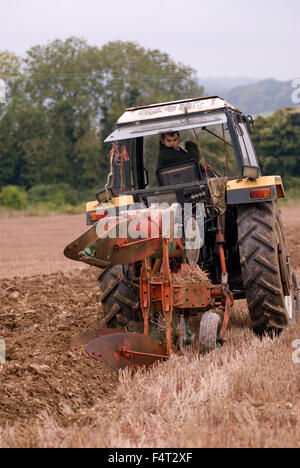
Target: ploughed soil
(34,245)
(46,299)
(38,317)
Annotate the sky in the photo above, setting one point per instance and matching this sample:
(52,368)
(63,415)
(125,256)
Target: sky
(237,38)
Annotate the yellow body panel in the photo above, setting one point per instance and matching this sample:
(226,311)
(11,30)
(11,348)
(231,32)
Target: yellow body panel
(124,200)
(91,206)
(266,181)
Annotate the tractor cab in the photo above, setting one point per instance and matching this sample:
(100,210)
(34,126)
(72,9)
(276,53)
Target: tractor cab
(211,122)
(221,133)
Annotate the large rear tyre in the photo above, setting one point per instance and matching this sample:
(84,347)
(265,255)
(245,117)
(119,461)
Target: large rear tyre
(119,298)
(270,284)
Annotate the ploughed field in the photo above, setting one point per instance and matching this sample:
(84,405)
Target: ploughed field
(246,394)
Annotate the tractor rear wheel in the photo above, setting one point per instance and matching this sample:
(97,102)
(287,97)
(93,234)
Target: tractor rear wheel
(270,284)
(119,298)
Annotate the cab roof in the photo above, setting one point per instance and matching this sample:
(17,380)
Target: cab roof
(169,116)
(173,108)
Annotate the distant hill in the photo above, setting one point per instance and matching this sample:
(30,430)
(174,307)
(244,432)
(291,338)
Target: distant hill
(260,97)
(222,84)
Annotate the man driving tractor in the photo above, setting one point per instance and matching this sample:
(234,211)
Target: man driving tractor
(170,152)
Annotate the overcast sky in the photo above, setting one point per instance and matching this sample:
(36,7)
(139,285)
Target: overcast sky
(250,38)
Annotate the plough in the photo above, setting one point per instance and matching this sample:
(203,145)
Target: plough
(175,295)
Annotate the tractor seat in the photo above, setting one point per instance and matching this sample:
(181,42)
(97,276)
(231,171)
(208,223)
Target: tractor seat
(179,173)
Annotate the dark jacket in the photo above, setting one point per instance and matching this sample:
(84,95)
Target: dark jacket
(168,156)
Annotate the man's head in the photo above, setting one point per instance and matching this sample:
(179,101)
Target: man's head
(170,140)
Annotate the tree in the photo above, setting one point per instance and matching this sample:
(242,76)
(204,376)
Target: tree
(64,100)
(64,84)
(11,157)
(134,76)
(277,142)
(9,65)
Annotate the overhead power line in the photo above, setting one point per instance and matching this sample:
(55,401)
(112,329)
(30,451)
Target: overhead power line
(93,75)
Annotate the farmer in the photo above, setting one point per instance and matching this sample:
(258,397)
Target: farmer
(171,153)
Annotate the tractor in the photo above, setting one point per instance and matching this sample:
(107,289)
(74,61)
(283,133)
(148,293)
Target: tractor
(184,240)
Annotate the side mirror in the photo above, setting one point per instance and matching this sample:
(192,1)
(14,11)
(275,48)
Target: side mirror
(249,123)
(2,92)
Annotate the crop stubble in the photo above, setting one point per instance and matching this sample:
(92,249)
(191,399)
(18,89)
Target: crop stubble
(45,299)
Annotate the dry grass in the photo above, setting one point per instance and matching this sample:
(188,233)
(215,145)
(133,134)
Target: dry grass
(245,394)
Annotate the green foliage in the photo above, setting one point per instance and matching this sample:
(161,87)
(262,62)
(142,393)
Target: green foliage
(292,187)
(43,200)
(59,195)
(63,145)
(134,76)
(13,197)
(64,99)
(9,65)
(65,102)
(277,142)
(292,183)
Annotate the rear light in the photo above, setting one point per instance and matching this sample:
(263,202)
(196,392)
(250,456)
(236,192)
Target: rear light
(98,216)
(262,193)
